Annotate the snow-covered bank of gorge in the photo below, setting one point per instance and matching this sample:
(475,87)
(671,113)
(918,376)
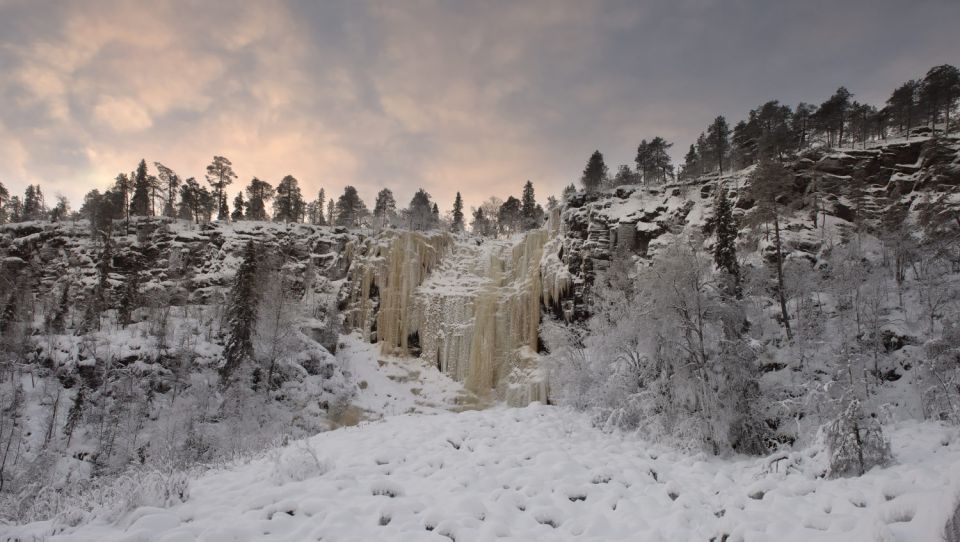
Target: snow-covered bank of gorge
(545,473)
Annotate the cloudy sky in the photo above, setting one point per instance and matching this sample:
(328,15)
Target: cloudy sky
(448,95)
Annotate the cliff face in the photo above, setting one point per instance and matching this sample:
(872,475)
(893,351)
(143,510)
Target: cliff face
(915,177)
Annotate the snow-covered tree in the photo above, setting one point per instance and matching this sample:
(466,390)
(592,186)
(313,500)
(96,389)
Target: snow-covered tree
(241,315)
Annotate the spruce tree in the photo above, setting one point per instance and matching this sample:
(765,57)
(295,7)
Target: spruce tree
(31,203)
(241,315)
(140,203)
(457,225)
(595,173)
(239,207)
(320,204)
(725,249)
(530,211)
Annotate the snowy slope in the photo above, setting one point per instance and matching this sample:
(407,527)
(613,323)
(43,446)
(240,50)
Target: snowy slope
(544,473)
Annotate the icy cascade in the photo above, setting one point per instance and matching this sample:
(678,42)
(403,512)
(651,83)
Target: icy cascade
(474,305)
(390,269)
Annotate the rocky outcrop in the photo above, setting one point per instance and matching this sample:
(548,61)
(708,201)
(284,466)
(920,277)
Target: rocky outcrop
(633,220)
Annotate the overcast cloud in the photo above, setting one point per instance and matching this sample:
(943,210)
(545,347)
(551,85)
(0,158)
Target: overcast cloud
(455,95)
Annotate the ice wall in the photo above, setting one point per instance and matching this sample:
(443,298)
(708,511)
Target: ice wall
(474,305)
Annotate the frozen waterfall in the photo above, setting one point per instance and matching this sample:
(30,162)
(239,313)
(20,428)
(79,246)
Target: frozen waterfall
(470,305)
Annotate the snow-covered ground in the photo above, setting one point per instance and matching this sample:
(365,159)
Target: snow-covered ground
(544,473)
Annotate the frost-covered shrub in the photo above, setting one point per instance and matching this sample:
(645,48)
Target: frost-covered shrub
(855,443)
(941,375)
(296,463)
(104,498)
(663,353)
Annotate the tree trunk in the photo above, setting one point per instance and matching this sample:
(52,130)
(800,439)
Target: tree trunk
(780,288)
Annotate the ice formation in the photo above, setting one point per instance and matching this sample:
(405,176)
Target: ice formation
(471,306)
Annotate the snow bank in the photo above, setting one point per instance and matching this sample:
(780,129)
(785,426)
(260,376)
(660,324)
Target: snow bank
(544,473)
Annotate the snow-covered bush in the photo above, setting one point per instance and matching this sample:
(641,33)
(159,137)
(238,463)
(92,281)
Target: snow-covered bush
(663,353)
(941,375)
(296,463)
(105,498)
(855,442)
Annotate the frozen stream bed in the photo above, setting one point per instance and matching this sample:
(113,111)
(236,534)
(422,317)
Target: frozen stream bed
(544,473)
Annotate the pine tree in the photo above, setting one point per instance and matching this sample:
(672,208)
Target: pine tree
(241,315)
(170,182)
(902,105)
(643,160)
(350,209)
(75,415)
(61,210)
(140,203)
(419,213)
(659,164)
(832,115)
(435,216)
(769,181)
(258,194)
(123,186)
(4,195)
(15,209)
(288,205)
(774,137)
(331,212)
(220,175)
(595,173)
(130,297)
(510,217)
(691,164)
(802,116)
(385,208)
(623,176)
(939,91)
(457,225)
(481,225)
(725,250)
(718,134)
